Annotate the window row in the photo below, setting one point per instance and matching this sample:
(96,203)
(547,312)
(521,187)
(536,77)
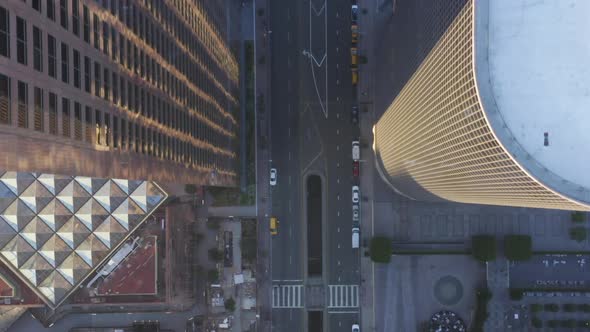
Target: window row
(68,118)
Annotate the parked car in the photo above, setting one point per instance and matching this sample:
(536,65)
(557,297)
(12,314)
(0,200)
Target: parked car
(354,115)
(354,13)
(355,237)
(273,176)
(354,30)
(356,194)
(355,169)
(356,328)
(356,150)
(356,214)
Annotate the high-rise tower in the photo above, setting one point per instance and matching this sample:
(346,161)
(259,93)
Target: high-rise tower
(497,112)
(118,89)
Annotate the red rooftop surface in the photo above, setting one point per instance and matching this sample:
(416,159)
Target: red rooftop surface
(15,292)
(136,274)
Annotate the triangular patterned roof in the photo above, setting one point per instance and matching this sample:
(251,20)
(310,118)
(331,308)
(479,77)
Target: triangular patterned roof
(55,230)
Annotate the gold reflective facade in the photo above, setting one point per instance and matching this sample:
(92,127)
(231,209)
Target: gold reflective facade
(137,89)
(436,134)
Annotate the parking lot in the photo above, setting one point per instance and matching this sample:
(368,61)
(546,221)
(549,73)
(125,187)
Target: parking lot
(555,272)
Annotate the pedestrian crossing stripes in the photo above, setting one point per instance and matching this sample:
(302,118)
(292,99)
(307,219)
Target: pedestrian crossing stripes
(343,296)
(287,296)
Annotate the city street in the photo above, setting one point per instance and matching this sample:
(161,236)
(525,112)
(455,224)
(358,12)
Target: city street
(311,134)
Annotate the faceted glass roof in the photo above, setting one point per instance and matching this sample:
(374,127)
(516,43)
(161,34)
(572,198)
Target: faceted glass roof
(55,230)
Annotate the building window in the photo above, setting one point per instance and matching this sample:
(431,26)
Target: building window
(4,99)
(38,109)
(96,30)
(123,134)
(77,121)
(63,13)
(76,68)
(121,49)
(65,63)
(86,18)
(65,117)
(106,87)
(88,124)
(52,113)
(122,87)
(115,82)
(37,49)
(51,10)
(75,17)
(23,105)
(114,55)
(87,74)
(98,120)
(107,129)
(97,79)
(4,32)
(105,38)
(21,41)
(37,5)
(51,56)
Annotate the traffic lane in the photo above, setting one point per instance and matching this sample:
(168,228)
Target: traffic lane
(342,322)
(284,147)
(288,320)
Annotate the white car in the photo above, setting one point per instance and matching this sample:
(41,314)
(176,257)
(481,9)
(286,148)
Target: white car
(356,328)
(273,176)
(356,193)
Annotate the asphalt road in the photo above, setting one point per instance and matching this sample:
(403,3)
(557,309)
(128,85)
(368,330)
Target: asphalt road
(311,133)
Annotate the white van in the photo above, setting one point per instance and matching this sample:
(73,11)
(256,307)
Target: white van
(356,151)
(355,237)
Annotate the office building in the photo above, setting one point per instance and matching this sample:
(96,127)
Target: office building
(131,89)
(496,112)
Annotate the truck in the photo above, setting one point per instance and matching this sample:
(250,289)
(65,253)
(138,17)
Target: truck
(355,237)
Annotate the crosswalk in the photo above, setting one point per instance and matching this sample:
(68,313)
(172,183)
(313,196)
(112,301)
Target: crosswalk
(287,296)
(343,296)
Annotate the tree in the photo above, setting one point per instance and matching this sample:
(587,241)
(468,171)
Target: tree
(483,247)
(552,307)
(584,307)
(568,323)
(213,276)
(190,189)
(230,304)
(381,249)
(536,307)
(363,59)
(248,246)
(553,323)
(518,247)
(215,255)
(578,234)
(516,294)
(569,307)
(536,322)
(577,216)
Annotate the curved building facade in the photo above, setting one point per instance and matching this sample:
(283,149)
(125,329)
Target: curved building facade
(495,112)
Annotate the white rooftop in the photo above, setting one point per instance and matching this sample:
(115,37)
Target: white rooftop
(539,61)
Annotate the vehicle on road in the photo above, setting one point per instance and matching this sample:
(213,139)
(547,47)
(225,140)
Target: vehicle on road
(273,176)
(354,13)
(356,150)
(356,328)
(354,29)
(354,59)
(356,214)
(274,226)
(355,237)
(356,194)
(355,76)
(355,169)
(354,115)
